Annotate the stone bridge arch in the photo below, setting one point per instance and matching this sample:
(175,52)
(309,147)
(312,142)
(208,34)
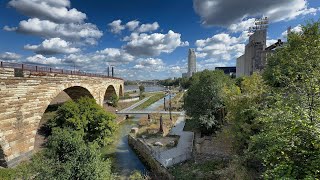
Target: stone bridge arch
(23,100)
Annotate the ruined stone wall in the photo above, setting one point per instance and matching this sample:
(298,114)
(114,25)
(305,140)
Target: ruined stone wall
(23,100)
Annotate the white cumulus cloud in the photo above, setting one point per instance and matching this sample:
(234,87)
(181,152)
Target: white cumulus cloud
(116,27)
(148,27)
(40,59)
(53,46)
(153,44)
(221,47)
(85,32)
(55,11)
(132,25)
(9,56)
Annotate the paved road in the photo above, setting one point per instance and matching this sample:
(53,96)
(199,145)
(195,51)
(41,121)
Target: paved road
(128,111)
(147,112)
(134,105)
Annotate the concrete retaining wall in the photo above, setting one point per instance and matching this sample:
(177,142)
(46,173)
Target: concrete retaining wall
(144,153)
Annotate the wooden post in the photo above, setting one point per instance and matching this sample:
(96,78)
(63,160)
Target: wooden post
(161,124)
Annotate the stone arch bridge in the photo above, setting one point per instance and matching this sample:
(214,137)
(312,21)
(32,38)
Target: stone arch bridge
(26,92)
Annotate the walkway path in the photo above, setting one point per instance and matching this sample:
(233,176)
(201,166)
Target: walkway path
(147,112)
(183,151)
(134,105)
(129,110)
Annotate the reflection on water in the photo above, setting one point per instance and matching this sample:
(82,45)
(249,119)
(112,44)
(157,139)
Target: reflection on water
(127,161)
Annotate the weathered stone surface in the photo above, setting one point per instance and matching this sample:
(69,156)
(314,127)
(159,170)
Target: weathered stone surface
(23,100)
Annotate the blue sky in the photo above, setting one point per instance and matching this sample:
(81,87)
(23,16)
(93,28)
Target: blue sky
(143,39)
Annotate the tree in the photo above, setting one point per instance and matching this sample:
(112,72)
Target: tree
(289,142)
(69,157)
(294,70)
(114,99)
(87,117)
(141,88)
(203,100)
(244,103)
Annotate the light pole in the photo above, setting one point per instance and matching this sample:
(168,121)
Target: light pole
(170,105)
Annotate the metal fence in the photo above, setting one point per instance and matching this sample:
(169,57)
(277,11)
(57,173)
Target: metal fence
(35,68)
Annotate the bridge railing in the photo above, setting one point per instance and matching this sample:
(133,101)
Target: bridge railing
(36,68)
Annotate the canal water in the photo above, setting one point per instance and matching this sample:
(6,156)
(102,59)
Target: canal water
(126,160)
(147,88)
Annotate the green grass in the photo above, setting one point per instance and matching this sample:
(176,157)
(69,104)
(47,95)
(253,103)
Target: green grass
(22,171)
(154,98)
(201,170)
(191,125)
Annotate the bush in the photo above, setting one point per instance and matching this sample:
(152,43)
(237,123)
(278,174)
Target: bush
(87,117)
(69,157)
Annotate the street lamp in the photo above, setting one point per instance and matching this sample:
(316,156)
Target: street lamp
(170,105)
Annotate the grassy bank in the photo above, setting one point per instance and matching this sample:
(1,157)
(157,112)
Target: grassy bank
(201,170)
(154,98)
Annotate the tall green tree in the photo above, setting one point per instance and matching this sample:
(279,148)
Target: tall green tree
(244,103)
(204,98)
(87,117)
(289,142)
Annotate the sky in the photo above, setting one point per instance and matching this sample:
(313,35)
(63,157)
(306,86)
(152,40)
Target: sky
(142,39)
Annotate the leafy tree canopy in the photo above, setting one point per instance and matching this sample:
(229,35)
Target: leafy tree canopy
(87,117)
(204,98)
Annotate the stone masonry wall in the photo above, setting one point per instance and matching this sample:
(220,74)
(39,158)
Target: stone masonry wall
(23,100)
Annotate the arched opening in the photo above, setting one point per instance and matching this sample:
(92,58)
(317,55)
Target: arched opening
(71,93)
(3,162)
(120,91)
(110,95)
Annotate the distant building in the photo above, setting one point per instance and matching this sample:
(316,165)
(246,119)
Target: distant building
(255,56)
(192,63)
(228,70)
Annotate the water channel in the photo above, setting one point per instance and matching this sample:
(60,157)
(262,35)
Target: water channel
(126,160)
(147,88)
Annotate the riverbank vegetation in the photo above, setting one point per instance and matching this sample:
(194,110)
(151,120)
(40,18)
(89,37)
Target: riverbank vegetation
(182,82)
(273,117)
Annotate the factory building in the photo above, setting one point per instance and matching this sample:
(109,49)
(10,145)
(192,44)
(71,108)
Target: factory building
(255,55)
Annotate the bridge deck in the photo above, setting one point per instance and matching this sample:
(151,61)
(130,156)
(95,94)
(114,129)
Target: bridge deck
(35,68)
